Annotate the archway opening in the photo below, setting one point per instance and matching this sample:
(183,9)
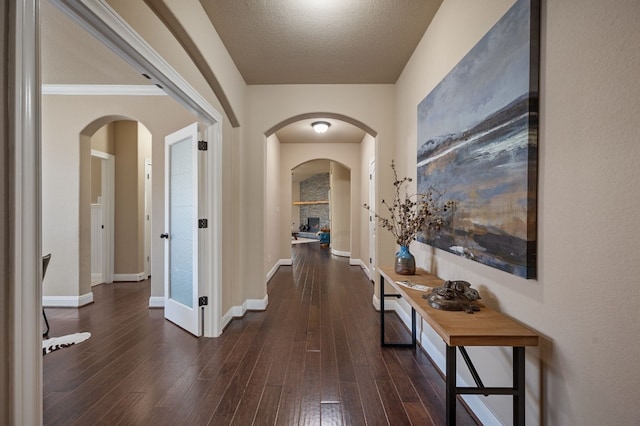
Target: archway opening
(115,200)
(340,159)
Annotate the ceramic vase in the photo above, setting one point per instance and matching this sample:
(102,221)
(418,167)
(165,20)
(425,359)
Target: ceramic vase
(405,262)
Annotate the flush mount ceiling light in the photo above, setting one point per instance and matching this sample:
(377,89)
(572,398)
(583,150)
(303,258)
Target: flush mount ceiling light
(320,126)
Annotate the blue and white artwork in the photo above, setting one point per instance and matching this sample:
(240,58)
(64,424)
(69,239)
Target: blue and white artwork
(477,140)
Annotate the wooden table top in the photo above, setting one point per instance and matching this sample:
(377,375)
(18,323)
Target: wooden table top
(486,327)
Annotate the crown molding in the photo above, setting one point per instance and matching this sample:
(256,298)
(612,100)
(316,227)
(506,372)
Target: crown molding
(102,90)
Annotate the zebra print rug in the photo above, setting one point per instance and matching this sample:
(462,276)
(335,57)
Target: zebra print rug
(55,343)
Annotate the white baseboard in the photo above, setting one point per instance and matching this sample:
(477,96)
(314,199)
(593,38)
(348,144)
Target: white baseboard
(279,263)
(341,253)
(130,277)
(156,302)
(248,305)
(67,301)
(475,402)
(365,268)
(96,278)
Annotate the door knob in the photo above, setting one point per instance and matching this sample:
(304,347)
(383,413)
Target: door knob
(164,236)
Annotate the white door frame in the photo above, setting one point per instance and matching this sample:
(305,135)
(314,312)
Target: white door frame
(97,17)
(21,392)
(108,212)
(25,367)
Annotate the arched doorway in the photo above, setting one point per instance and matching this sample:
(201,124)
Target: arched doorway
(321,204)
(349,145)
(120,153)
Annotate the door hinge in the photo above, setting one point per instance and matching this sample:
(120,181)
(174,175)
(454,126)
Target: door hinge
(203,145)
(203,301)
(370,260)
(203,223)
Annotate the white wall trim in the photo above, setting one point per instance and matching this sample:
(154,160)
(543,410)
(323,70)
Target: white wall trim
(273,271)
(475,402)
(257,304)
(156,302)
(102,90)
(360,263)
(67,301)
(130,277)
(341,253)
(248,305)
(279,263)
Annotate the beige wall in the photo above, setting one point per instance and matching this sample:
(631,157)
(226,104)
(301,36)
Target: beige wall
(64,118)
(273,209)
(367,155)
(126,198)
(103,139)
(132,146)
(96,179)
(584,301)
(340,204)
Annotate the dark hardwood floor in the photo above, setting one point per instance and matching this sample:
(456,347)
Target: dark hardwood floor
(313,357)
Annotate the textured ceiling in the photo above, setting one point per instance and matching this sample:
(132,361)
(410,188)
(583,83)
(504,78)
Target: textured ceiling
(320,41)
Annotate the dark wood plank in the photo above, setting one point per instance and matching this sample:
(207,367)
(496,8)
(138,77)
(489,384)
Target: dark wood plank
(268,409)
(313,357)
(352,411)
(392,405)
(417,414)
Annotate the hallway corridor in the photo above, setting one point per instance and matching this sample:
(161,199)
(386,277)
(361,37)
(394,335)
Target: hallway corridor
(313,357)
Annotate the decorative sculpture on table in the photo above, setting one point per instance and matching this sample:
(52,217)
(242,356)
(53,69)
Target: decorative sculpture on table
(454,296)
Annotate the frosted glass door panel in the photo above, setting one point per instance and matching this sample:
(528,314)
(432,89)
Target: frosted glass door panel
(181,232)
(181,210)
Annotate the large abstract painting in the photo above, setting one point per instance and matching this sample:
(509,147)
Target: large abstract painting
(477,140)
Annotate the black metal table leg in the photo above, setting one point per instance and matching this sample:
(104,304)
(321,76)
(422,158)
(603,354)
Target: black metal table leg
(381,310)
(413,321)
(518,385)
(450,394)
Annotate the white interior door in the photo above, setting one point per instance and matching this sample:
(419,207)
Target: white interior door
(181,229)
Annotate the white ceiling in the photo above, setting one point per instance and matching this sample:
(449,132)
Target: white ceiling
(271,42)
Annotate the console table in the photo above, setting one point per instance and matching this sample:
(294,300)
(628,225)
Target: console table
(458,329)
